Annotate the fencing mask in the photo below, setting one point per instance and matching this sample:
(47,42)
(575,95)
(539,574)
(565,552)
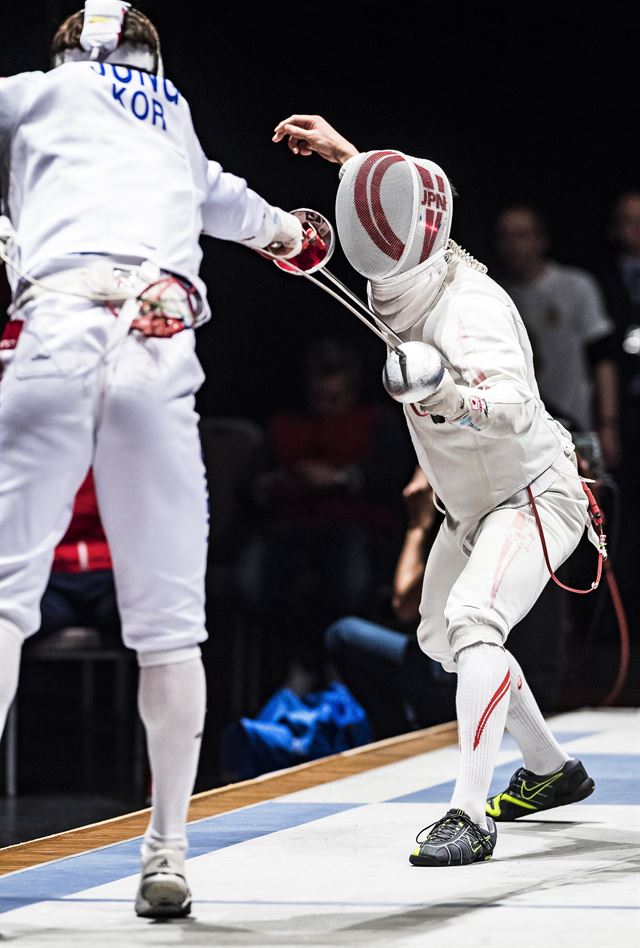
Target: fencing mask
(393,212)
(109,31)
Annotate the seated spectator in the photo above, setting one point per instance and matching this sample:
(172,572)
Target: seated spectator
(570,331)
(81,591)
(399,687)
(329,505)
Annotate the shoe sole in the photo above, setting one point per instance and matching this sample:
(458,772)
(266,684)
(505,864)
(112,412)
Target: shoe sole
(160,898)
(422,861)
(584,790)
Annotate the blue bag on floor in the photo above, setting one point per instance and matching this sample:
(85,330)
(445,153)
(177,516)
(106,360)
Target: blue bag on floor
(292,730)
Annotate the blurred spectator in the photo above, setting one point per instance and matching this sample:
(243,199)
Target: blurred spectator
(621,283)
(571,334)
(329,504)
(81,590)
(399,687)
(620,278)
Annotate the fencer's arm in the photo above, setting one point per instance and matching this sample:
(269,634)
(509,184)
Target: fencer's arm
(233,211)
(490,409)
(307,134)
(494,397)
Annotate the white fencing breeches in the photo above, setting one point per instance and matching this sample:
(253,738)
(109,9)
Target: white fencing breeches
(70,399)
(479,584)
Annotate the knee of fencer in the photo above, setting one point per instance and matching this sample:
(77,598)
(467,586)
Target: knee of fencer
(173,656)
(433,642)
(461,637)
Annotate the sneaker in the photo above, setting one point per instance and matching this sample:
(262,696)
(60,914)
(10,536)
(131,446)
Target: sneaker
(531,793)
(455,840)
(163,890)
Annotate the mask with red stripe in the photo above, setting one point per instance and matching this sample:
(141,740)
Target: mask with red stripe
(393,213)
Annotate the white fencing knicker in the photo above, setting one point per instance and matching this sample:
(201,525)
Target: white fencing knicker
(80,391)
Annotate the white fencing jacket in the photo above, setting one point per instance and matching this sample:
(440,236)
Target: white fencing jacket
(100,158)
(492,453)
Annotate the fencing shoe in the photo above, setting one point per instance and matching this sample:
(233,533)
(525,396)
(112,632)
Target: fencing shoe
(529,793)
(163,891)
(455,840)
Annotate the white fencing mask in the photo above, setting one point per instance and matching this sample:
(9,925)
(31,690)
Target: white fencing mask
(393,212)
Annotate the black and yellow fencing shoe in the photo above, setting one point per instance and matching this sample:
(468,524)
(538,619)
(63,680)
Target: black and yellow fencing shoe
(455,840)
(529,793)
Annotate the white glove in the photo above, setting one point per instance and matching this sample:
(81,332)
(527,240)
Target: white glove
(287,240)
(448,400)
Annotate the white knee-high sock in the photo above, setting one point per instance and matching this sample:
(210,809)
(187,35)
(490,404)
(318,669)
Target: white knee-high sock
(482,699)
(10,650)
(540,751)
(171,700)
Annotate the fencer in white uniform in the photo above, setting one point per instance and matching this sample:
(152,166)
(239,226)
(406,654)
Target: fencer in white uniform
(487,445)
(108,191)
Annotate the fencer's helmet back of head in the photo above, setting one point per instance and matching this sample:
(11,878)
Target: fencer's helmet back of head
(393,212)
(109,31)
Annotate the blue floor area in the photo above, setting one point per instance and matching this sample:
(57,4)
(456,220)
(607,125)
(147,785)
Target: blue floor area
(617,778)
(76,873)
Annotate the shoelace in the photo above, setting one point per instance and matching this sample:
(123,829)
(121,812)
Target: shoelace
(518,777)
(447,827)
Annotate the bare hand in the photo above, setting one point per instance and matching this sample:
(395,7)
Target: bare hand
(309,133)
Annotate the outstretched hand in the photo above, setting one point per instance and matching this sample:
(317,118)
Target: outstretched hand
(311,133)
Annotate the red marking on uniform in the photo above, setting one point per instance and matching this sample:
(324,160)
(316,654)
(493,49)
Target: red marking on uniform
(496,698)
(11,334)
(472,374)
(510,547)
(519,682)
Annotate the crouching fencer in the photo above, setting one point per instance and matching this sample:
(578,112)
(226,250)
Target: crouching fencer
(108,190)
(490,451)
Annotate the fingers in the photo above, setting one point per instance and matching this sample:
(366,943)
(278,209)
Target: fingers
(300,139)
(304,122)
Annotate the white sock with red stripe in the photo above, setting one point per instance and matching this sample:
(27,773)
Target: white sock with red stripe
(540,751)
(482,700)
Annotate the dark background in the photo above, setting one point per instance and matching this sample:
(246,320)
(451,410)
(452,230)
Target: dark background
(515,101)
(534,102)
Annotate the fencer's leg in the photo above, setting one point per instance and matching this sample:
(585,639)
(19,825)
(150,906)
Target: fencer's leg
(10,649)
(445,563)
(540,750)
(171,700)
(502,579)
(482,700)
(46,440)
(151,492)
(151,489)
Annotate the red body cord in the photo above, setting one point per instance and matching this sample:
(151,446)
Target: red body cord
(597,518)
